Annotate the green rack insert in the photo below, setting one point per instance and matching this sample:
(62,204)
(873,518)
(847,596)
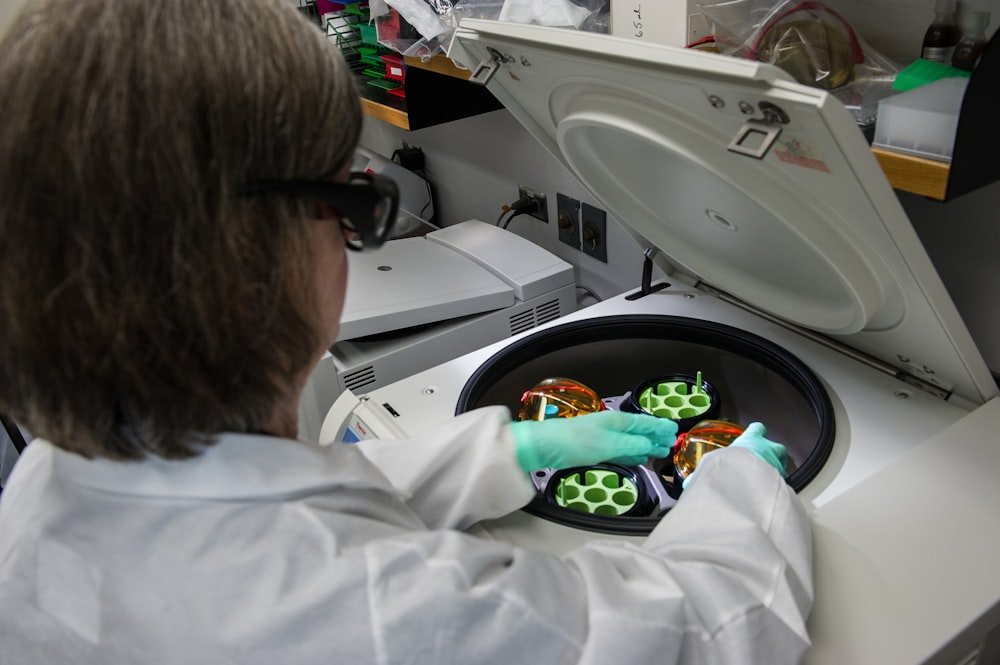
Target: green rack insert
(675,400)
(597,491)
(383,84)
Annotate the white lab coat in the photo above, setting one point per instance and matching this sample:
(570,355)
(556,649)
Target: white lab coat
(273,551)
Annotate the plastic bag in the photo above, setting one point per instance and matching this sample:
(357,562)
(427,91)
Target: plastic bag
(437,20)
(808,39)
(404,24)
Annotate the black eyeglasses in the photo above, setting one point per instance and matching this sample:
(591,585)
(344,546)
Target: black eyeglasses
(367,203)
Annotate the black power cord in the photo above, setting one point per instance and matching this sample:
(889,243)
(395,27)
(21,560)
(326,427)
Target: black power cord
(413,159)
(522,206)
(409,158)
(590,292)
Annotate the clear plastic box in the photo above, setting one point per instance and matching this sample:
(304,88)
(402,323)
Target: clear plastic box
(922,121)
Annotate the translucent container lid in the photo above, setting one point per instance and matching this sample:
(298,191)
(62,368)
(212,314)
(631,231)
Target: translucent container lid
(922,121)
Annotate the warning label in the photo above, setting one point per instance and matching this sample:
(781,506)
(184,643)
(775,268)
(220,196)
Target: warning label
(794,151)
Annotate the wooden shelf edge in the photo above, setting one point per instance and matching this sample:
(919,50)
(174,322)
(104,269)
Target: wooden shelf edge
(385,114)
(916,175)
(438,64)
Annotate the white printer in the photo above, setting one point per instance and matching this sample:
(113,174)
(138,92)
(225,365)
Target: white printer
(796,286)
(418,301)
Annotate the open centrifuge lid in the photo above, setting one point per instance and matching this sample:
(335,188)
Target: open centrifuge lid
(806,228)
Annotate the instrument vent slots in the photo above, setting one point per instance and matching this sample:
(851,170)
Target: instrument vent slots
(360,378)
(530,318)
(547,312)
(522,321)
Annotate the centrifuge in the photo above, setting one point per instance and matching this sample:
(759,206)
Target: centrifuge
(795,286)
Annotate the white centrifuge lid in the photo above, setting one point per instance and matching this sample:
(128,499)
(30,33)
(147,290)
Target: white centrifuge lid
(807,228)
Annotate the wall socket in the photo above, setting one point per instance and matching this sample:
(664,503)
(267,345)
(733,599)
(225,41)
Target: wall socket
(594,232)
(542,204)
(568,220)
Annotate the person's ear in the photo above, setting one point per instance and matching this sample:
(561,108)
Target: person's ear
(324,212)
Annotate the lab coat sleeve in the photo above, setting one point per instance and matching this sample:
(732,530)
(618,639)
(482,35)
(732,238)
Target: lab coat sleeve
(460,472)
(728,572)
(725,578)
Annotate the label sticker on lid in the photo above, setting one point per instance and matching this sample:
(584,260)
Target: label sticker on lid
(800,153)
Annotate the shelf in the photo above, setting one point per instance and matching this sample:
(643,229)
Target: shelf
(382,111)
(440,65)
(916,175)
(974,160)
(436,92)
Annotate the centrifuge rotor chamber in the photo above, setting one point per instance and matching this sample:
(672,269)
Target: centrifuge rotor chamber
(756,379)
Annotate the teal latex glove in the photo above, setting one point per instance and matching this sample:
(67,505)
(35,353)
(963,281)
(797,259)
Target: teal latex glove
(753,439)
(605,436)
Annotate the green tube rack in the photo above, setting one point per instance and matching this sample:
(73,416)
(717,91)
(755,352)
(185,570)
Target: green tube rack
(597,491)
(675,399)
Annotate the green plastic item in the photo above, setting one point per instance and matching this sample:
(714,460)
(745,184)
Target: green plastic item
(346,36)
(355,8)
(370,56)
(369,35)
(597,491)
(675,399)
(383,84)
(921,72)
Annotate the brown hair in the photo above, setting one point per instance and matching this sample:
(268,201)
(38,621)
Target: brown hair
(144,304)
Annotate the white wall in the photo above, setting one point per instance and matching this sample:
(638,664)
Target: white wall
(896,27)
(962,237)
(475,166)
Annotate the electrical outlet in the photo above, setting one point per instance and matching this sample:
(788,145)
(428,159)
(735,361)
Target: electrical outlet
(410,157)
(568,220)
(594,232)
(542,204)
(699,27)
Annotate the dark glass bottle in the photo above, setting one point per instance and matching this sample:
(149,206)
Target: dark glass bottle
(973,40)
(942,35)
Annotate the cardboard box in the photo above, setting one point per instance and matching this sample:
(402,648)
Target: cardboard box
(671,22)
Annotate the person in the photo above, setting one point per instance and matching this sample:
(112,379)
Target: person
(176,206)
